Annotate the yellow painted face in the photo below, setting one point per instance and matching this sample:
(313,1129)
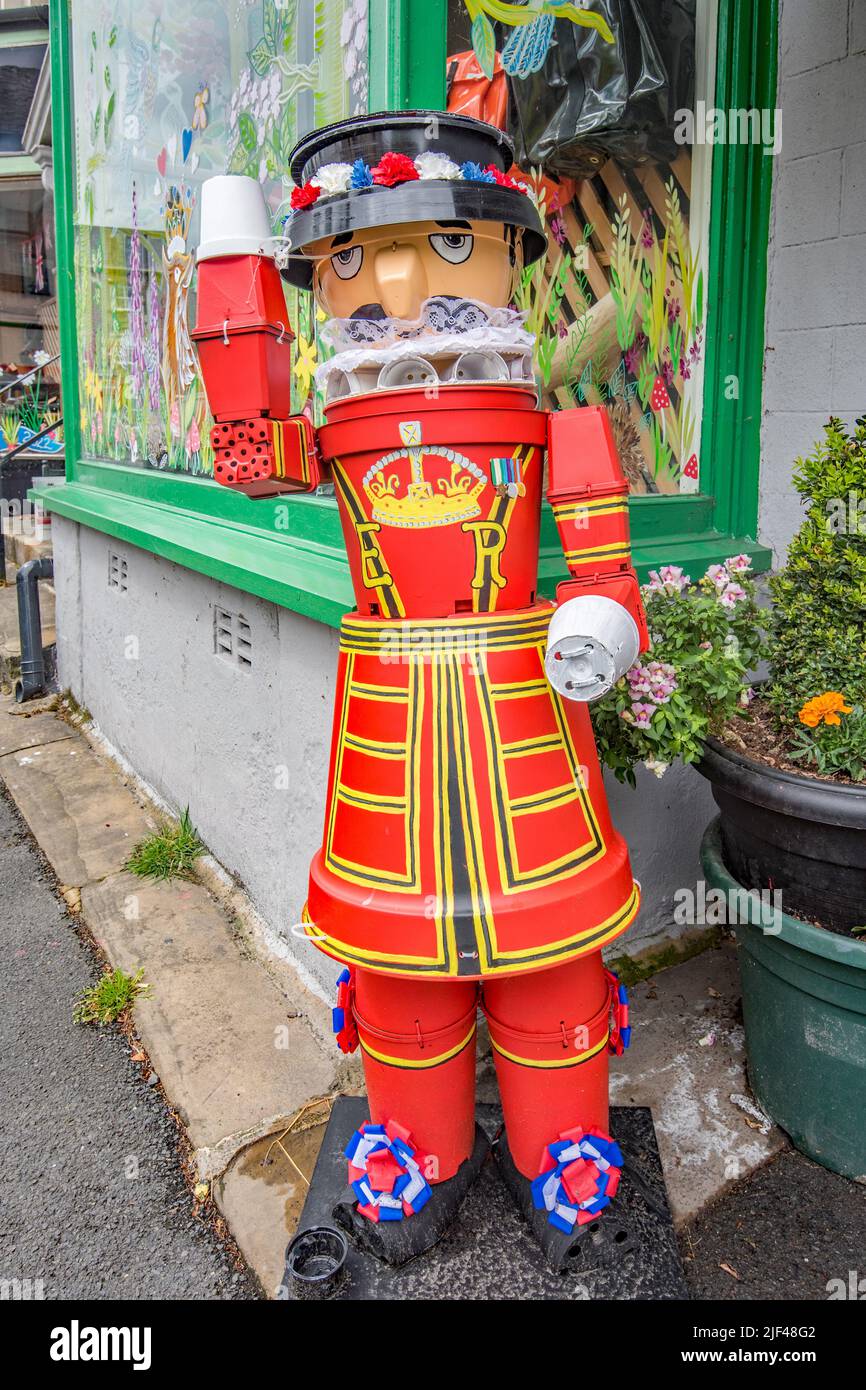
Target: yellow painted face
(391,271)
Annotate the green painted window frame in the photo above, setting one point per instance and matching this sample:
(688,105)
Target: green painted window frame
(291,551)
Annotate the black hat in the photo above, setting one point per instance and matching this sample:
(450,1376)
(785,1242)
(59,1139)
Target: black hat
(481,152)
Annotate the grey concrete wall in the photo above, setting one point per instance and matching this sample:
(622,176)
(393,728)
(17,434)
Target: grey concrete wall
(815,361)
(246,747)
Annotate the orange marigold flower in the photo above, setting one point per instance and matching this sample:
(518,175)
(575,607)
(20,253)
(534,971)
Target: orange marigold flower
(824,709)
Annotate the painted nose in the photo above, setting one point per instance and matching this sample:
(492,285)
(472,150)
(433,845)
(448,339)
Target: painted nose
(400,280)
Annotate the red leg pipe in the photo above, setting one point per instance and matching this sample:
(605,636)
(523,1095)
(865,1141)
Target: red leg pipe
(418,1045)
(549,1031)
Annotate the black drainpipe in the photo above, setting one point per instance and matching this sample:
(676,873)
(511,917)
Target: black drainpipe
(32,681)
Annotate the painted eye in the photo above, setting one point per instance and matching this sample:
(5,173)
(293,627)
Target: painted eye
(347,262)
(455,247)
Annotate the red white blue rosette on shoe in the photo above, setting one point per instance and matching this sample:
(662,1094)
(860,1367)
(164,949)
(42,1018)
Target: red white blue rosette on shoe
(587,1166)
(385,1172)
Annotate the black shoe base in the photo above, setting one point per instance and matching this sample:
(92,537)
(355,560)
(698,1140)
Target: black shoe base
(397,1242)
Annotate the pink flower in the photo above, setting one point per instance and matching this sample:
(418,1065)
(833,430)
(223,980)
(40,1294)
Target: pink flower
(738,564)
(672,577)
(718,575)
(174,420)
(643,714)
(193,438)
(732,595)
(646,234)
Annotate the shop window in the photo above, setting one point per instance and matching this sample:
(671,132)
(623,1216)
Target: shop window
(19,73)
(165,96)
(619,306)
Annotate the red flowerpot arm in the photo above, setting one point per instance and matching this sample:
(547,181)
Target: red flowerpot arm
(244,348)
(261,457)
(589,496)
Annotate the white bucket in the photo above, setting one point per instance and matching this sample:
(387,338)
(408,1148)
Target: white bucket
(591,642)
(234,218)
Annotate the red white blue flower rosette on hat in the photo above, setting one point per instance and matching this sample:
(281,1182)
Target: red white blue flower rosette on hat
(587,1166)
(385,1172)
(393,169)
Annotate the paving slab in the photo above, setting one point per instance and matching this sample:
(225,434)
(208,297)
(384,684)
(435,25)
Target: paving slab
(262,1195)
(234,1059)
(19,731)
(85,819)
(687,1059)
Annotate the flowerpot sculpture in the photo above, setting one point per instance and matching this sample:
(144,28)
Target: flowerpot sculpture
(468,855)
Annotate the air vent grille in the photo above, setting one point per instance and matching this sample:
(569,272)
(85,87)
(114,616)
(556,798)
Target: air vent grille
(118,570)
(233,639)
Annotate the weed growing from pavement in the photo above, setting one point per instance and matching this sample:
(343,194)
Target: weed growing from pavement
(113,993)
(169,853)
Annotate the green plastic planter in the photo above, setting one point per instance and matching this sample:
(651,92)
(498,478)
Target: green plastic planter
(804,1008)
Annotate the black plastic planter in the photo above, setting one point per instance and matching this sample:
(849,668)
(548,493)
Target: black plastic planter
(796,834)
(316,1262)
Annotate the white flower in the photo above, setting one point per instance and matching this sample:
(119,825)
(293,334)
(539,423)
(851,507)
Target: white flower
(333,178)
(657,768)
(433,165)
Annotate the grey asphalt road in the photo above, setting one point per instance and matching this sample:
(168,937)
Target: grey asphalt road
(92,1198)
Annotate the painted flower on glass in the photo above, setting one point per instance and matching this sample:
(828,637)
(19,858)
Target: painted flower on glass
(305,363)
(199,114)
(353,41)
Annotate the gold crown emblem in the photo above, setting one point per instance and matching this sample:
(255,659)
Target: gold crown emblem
(423,503)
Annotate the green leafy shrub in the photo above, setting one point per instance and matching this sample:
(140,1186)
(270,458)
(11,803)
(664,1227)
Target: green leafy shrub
(817,627)
(706,637)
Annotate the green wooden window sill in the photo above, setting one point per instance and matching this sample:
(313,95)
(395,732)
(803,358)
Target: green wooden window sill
(291,551)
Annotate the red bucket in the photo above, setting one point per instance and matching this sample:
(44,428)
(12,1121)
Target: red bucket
(246,370)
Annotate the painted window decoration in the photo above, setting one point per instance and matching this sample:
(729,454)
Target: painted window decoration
(165,96)
(619,306)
